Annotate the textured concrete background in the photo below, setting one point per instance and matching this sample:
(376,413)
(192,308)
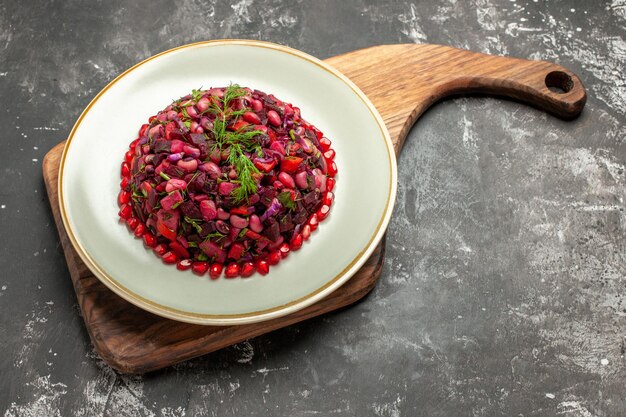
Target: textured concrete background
(504,287)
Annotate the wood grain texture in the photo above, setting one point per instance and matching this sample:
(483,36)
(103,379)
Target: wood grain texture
(402,81)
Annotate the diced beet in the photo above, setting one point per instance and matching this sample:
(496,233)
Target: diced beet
(272,231)
(174,172)
(208,210)
(189,209)
(286,223)
(310,198)
(171,200)
(221,256)
(198,138)
(162,145)
(267,195)
(179,250)
(210,248)
(153,198)
(137,163)
(225,188)
(194,238)
(169,218)
(177,146)
(167,223)
(235,252)
(300,217)
(207,228)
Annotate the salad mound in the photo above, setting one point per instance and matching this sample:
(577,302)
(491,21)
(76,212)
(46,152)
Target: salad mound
(227,180)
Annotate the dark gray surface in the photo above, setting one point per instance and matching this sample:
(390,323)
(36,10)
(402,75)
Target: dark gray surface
(503,290)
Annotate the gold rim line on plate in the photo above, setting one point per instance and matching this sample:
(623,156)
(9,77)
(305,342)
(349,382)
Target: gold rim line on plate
(255,316)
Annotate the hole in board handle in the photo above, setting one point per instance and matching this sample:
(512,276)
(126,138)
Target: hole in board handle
(559,82)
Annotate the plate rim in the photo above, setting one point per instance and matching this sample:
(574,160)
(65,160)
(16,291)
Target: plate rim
(256,316)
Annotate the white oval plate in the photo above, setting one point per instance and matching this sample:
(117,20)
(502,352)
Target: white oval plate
(364,194)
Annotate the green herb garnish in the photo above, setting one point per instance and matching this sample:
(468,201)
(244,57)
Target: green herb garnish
(194,222)
(286,201)
(197,94)
(245,169)
(232,92)
(215,235)
(238,143)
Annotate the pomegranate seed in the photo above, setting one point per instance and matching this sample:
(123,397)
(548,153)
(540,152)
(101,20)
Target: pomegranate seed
(216,270)
(200,268)
(128,157)
(296,242)
(143,129)
(133,222)
(126,211)
(325,144)
(184,264)
(139,230)
(160,249)
(313,222)
(322,212)
(328,198)
(123,197)
(149,239)
(329,154)
(169,258)
(306,232)
(125,170)
(232,270)
(262,267)
(284,250)
(247,269)
(152,118)
(273,258)
(133,144)
(330,184)
(332,167)
(124,184)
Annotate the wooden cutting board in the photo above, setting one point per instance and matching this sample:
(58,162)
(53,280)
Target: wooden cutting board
(402,81)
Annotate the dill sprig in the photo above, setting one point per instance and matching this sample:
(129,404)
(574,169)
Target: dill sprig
(216,236)
(245,170)
(197,94)
(232,92)
(239,142)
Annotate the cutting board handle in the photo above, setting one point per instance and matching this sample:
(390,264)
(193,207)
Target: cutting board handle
(547,86)
(404,80)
